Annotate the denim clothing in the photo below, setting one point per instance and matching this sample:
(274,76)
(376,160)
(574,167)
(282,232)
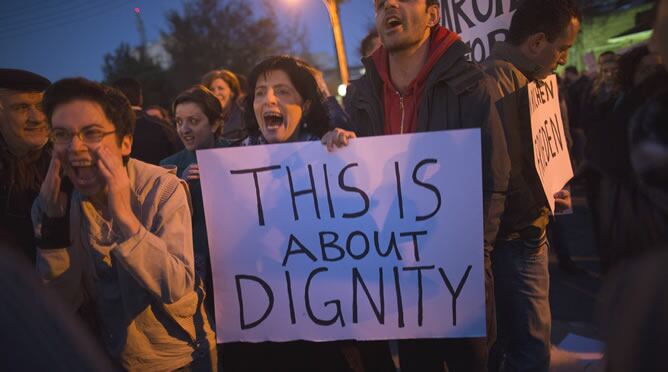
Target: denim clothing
(520,254)
(522,286)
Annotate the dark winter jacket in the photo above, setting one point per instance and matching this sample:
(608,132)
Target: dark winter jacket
(626,184)
(153,139)
(233,124)
(457,95)
(527,210)
(20,181)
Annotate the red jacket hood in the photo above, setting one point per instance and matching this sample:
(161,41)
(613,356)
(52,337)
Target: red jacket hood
(400,110)
(439,41)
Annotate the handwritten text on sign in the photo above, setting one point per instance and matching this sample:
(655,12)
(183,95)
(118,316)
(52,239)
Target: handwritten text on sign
(378,240)
(480,23)
(550,146)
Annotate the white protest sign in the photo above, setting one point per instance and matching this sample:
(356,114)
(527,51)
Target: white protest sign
(480,23)
(550,146)
(382,239)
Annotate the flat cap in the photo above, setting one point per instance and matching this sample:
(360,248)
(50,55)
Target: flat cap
(22,80)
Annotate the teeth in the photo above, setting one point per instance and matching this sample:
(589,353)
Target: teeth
(81,163)
(273,119)
(393,21)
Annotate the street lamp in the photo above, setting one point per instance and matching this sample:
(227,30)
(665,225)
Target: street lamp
(333,11)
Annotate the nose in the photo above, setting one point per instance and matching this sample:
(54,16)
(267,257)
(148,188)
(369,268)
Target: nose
(563,58)
(184,128)
(77,144)
(393,3)
(271,97)
(36,114)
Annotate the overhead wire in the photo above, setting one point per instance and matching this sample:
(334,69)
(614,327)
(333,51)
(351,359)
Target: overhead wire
(59,16)
(48,12)
(31,28)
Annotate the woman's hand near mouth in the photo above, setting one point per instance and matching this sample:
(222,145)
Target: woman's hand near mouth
(118,192)
(55,201)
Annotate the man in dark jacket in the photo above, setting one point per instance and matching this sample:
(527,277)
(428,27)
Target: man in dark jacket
(419,81)
(153,139)
(24,152)
(541,32)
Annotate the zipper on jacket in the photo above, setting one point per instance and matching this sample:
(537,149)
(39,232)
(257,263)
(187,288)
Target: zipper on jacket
(401,106)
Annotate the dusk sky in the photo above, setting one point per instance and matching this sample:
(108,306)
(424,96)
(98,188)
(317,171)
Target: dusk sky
(58,38)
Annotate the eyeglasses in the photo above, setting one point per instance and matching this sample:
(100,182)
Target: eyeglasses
(92,135)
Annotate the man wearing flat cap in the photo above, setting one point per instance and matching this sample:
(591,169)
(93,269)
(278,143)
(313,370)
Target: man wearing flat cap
(24,152)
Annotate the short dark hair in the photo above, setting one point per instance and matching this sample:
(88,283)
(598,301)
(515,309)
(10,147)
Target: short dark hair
(163,111)
(207,102)
(131,87)
(114,104)
(572,69)
(429,3)
(608,56)
(301,76)
(550,17)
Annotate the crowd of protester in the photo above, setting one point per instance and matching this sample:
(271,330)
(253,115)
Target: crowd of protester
(103,196)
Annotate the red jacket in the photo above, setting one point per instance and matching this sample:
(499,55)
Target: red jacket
(401,110)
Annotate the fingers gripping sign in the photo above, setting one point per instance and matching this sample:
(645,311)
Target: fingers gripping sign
(562,201)
(191,173)
(118,189)
(337,138)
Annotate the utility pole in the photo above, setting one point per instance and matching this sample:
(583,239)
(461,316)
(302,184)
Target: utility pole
(142,36)
(333,11)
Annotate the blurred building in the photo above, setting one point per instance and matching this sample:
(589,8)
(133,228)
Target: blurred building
(615,25)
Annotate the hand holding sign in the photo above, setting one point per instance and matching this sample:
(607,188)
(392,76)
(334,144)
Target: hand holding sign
(550,147)
(336,138)
(562,201)
(380,240)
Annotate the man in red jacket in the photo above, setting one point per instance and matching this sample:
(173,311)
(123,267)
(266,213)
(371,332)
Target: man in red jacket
(420,80)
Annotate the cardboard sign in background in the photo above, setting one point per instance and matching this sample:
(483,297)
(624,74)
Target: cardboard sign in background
(480,23)
(550,144)
(321,266)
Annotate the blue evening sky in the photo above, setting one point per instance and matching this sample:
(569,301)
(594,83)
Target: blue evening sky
(59,38)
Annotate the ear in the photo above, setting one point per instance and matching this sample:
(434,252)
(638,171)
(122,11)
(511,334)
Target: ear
(217,126)
(306,107)
(434,13)
(126,145)
(536,43)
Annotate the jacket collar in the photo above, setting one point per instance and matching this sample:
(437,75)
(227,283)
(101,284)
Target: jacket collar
(510,53)
(452,69)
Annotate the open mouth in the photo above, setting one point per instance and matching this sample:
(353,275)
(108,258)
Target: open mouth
(273,120)
(85,172)
(188,139)
(392,22)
